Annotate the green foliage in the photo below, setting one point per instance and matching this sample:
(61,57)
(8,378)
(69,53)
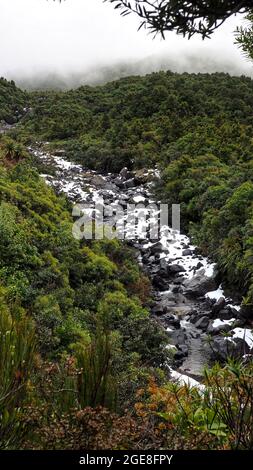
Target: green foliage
(244,37)
(96,384)
(136,121)
(12,102)
(17,346)
(185,18)
(89,300)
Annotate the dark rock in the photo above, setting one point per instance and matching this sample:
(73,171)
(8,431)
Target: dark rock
(125,173)
(218,306)
(163,264)
(179,355)
(177,337)
(172,320)
(157,248)
(177,289)
(175,268)
(119,182)
(199,285)
(60,153)
(129,183)
(223,348)
(226,313)
(160,283)
(158,309)
(184,349)
(225,327)
(187,252)
(202,323)
(199,265)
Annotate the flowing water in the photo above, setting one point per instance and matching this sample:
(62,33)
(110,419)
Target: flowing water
(174,252)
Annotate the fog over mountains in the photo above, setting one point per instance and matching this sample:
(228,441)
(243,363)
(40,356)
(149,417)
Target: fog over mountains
(97,74)
(45,44)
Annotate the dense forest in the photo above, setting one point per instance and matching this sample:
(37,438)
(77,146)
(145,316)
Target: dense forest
(82,361)
(197,128)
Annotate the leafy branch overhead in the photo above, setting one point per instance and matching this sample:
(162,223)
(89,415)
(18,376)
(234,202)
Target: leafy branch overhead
(184,17)
(244,37)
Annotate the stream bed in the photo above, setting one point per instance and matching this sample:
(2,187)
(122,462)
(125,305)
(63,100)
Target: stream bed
(202,324)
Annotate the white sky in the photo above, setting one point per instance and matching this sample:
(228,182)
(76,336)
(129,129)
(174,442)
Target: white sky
(45,36)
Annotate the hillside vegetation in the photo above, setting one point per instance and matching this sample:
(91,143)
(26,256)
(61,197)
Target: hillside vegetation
(82,363)
(197,127)
(12,102)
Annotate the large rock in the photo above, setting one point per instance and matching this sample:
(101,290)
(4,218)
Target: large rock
(130,183)
(224,348)
(119,182)
(172,320)
(125,173)
(177,337)
(218,306)
(175,269)
(199,284)
(98,181)
(219,329)
(157,248)
(187,252)
(202,323)
(145,176)
(227,313)
(160,283)
(159,309)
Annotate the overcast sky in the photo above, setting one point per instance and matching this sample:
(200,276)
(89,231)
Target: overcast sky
(77,35)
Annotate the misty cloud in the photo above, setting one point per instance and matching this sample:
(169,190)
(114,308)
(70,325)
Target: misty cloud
(86,41)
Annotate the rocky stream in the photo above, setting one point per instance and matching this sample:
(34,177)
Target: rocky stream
(202,324)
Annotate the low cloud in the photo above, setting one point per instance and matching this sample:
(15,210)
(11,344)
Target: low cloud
(45,44)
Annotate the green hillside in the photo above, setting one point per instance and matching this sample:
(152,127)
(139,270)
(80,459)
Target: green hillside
(197,127)
(12,102)
(83,365)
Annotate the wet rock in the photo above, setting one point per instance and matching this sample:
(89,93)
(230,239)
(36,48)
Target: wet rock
(179,280)
(202,323)
(125,173)
(176,289)
(163,264)
(159,282)
(129,183)
(199,285)
(148,259)
(199,265)
(227,313)
(222,328)
(158,309)
(122,203)
(179,355)
(184,349)
(223,348)
(187,252)
(172,320)
(98,181)
(157,248)
(119,183)
(175,268)
(218,306)
(177,337)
